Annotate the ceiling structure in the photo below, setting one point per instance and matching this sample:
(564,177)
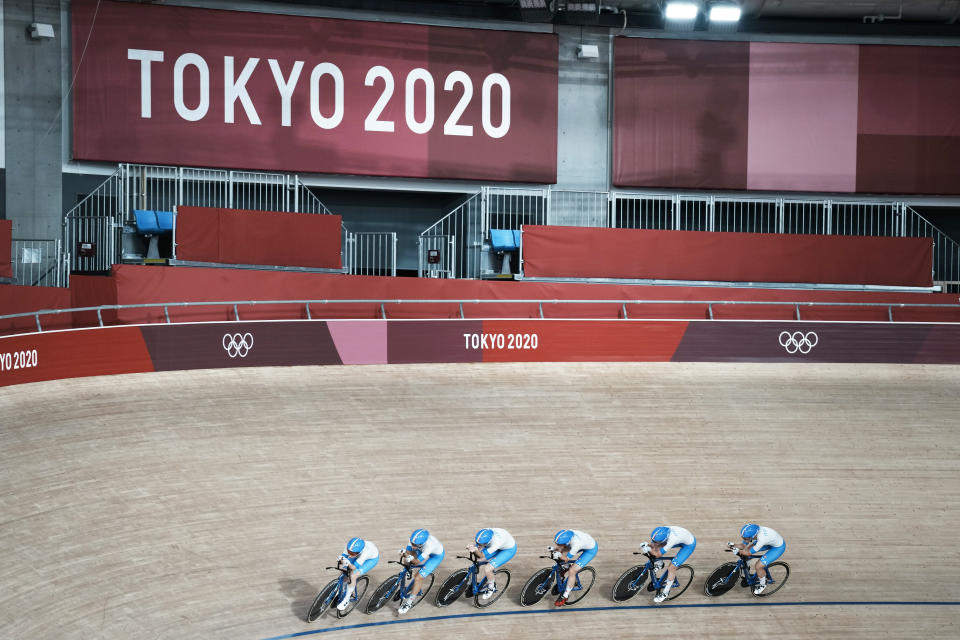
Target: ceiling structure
(934,18)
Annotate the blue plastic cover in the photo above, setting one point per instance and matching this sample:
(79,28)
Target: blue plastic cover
(504,239)
(165,220)
(146,221)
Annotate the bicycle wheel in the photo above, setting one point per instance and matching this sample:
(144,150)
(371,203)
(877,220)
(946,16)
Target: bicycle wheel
(537,587)
(361,588)
(723,578)
(323,600)
(630,583)
(452,588)
(684,576)
(382,594)
(424,590)
(779,572)
(587,576)
(501,577)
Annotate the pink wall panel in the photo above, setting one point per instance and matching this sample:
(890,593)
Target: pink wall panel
(803,117)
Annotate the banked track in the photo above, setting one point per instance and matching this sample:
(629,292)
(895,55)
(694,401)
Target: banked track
(206,503)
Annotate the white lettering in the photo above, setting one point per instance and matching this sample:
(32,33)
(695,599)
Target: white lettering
(237,89)
(326,69)
(426,124)
(193,60)
(373,121)
(452,126)
(501,81)
(145,56)
(285,87)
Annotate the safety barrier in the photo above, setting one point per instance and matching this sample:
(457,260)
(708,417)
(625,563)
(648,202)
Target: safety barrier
(40,263)
(620,304)
(371,254)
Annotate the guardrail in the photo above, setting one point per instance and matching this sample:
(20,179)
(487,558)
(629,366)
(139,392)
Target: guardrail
(382,302)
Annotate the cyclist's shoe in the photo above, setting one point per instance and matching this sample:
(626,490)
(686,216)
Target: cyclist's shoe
(559,602)
(405,606)
(487,593)
(658,565)
(343,604)
(660,597)
(757,590)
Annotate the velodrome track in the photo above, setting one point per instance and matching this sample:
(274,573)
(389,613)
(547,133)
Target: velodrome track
(205,504)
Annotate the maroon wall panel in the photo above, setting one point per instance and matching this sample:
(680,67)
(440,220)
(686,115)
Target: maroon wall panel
(680,113)
(551,251)
(16,299)
(233,236)
(293,93)
(6,239)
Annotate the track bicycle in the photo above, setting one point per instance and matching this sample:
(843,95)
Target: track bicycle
(333,593)
(465,582)
(727,575)
(633,579)
(549,579)
(398,587)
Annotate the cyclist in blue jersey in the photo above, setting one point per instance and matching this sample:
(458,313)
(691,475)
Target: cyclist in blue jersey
(757,539)
(423,548)
(359,557)
(662,539)
(572,543)
(497,546)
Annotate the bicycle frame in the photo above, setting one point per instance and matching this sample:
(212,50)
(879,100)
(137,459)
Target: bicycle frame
(337,593)
(476,586)
(742,570)
(560,567)
(656,582)
(404,587)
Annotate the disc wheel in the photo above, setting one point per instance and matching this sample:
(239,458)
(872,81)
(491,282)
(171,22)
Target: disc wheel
(587,576)
(362,583)
(452,588)
(630,583)
(323,601)
(779,573)
(382,594)
(536,587)
(501,578)
(424,590)
(723,578)
(684,576)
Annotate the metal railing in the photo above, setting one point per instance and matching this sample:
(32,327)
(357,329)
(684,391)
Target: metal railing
(450,247)
(379,305)
(371,254)
(40,263)
(91,230)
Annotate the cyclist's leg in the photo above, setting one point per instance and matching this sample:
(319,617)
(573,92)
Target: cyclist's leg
(682,555)
(585,557)
(355,575)
(772,554)
(428,568)
(496,561)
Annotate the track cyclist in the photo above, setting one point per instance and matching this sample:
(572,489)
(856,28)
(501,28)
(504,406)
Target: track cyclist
(757,539)
(662,539)
(360,556)
(570,543)
(497,546)
(423,548)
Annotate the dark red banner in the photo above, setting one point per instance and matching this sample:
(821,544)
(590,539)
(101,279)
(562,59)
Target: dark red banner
(580,252)
(200,87)
(233,236)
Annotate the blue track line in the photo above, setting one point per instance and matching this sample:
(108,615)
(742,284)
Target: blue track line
(879,603)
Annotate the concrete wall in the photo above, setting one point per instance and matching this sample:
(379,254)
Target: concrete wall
(32,140)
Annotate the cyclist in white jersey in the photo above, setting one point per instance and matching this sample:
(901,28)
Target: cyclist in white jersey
(359,557)
(757,539)
(662,540)
(571,543)
(423,548)
(498,547)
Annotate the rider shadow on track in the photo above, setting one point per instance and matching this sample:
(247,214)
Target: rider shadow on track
(301,594)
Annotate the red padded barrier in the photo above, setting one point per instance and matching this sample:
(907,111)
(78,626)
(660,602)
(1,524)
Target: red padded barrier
(15,299)
(235,236)
(580,252)
(6,239)
(93,291)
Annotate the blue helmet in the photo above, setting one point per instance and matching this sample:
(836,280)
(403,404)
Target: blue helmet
(355,545)
(749,531)
(419,537)
(660,534)
(484,536)
(564,536)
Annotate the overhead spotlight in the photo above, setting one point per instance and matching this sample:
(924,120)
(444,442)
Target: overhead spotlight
(681,11)
(725,12)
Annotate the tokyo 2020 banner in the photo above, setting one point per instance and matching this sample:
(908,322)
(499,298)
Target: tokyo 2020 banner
(232,89)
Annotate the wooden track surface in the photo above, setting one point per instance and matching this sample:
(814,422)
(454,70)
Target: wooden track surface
(206,504)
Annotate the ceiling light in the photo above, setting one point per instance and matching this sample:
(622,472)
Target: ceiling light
(681,10)
(724,13)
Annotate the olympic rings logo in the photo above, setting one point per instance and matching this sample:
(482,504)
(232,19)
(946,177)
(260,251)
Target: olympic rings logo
(798,341)
(236,344)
